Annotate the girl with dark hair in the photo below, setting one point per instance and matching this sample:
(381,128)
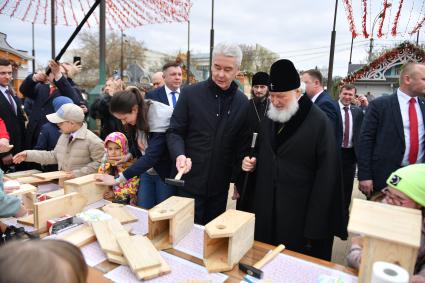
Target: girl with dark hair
(146,122)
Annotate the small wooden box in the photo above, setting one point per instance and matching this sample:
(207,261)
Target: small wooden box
(170,221)
(391,234)
(227,238)
(86,185)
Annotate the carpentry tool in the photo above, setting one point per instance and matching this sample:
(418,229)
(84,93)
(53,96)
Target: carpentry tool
(251,154)
(176,181)
(255,270)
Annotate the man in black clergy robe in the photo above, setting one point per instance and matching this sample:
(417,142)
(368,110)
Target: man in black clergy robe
(298,197)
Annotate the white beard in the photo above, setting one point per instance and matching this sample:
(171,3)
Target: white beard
(283,115)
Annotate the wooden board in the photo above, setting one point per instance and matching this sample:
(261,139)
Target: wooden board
(153,272)
(139,252)
(107,232)
(69,204)
(118,259)
(372,218)
(169,207)
(52,175)
(26,220)
(31,180)
(55,194)
(20,174)
(120,212)
(23,189)
(86,185)
(79,236)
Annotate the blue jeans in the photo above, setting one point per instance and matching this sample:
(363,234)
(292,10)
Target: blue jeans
(153,190)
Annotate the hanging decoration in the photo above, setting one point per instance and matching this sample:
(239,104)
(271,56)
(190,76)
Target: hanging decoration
(404,48)
(364,20)
(120,14)
(397,16)
(418,26)
(349,12)
(382,16)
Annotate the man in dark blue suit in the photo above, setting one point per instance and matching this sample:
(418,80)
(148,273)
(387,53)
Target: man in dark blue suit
(392,134)
(351,118)
(154,189)
(11,113)
(313,80)
(170,91)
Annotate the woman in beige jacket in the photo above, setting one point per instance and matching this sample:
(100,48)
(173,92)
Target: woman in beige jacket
(78,151)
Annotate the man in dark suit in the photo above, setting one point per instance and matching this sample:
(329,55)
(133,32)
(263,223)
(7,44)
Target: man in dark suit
(170,91)
(11,113)
(313,80)
(352,118)
(155,189)
(392,134)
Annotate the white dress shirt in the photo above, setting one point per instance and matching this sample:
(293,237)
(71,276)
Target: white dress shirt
(170,96)
(313,99)
(403,100)
(350,135)
(3,91)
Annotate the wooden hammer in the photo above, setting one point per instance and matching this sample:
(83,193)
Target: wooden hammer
(255,270)
(176,181)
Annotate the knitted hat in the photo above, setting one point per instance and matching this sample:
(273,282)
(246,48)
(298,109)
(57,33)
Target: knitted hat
(260,78)
(59,101)
(283,76)
(410,180)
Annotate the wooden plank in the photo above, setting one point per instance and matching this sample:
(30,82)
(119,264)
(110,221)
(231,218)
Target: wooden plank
(27,220)
(31,180)
(20,174)
(120,212)
(169,208)
(107,232)
(79,236)
(55,194)
(139,252)
(153,272)
(23,189)
(86,185)
(118,259)
(52,175)
(372,218)
(69,204)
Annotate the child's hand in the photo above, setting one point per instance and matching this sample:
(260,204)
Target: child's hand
(108,195)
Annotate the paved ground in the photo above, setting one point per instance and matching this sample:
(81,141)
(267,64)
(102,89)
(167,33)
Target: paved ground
(340,248)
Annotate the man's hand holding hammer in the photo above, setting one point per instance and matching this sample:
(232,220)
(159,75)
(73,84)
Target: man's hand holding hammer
(183,162)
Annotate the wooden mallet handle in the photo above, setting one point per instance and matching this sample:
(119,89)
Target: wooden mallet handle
(269,256)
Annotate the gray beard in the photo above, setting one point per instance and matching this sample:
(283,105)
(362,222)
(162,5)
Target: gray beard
(282,116)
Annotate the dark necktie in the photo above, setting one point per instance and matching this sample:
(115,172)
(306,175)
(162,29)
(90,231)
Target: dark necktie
(10,98)
(414,140)
(70,138)
(174,99)
(346,128)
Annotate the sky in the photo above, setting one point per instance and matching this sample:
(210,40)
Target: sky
(297,30)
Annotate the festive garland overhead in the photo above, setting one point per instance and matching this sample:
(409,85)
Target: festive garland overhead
(418,26)
(365,34)
(349,12)
(397,16)
(384,11)
(391,54)
(121,14)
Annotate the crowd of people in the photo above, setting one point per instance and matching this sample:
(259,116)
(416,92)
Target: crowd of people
(299,176)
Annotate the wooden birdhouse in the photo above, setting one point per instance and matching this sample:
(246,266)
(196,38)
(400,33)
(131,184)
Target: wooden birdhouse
(391,234)
(170,221)
(227,238)
(86,186)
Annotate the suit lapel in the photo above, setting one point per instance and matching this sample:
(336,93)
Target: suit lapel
(4,101)
(422,106)
(397,117)
(163,96)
